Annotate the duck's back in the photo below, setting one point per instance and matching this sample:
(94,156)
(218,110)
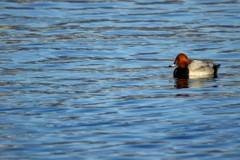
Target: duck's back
(200,68)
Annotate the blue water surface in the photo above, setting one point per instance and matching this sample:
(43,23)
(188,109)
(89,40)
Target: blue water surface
(90,80)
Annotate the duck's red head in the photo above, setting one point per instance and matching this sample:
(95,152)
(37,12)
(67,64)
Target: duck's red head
(182,60)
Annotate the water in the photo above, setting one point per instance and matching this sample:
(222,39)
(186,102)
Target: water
(90,80)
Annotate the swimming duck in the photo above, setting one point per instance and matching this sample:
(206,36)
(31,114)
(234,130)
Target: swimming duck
(194,68)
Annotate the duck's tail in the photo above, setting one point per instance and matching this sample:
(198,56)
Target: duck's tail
(215,68)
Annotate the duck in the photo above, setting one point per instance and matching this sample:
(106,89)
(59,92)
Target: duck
(193,68)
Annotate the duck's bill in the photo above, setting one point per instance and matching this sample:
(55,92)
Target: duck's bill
(173,65)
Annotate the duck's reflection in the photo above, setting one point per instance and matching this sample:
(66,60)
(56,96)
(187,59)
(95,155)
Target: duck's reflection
(181,83)
(195,83)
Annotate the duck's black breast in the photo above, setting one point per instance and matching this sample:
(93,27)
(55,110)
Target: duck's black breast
(181,73)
